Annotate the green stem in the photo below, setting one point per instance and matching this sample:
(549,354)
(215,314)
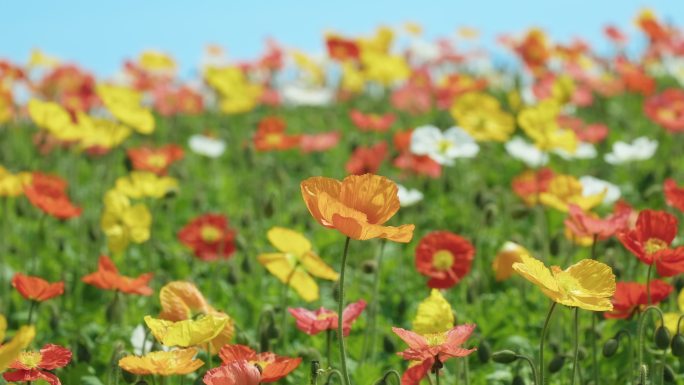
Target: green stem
(340,311)
(369,337)
(283,304)
(594,349)
(648,285)
(640,331)
(466,370)
(328,347)
(32,307)
(545,330)
(575,363)
(387,374)
(437,377)
(532,367)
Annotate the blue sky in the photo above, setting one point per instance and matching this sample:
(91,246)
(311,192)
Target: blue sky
(100,34)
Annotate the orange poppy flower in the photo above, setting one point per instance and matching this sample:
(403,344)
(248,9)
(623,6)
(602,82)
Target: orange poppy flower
(271,135)
(444,257)
(372,122)
(36,288)
(674,195)
(530,184)
(319,142)
(272,366)
(342,49)
(358,206)
(34,366)
(367,159)
(234,373)
(667,109)
(48,193)
(107,277)
(156,160)
(209,237)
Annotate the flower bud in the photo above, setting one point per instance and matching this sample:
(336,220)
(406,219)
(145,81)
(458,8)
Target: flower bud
(369,266)
(610,347)
(662,338)
(556,363)
(504,356)
(678,345)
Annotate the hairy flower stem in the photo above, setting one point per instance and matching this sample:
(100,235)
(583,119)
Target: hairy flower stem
(575,363)
(328,347)
(545,330)
(340,311)
(640,332)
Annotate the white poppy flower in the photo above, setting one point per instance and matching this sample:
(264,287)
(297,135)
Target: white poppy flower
(207,146)
(408,197)
(296,95)
(593,186)
(583,151)
(641,148)
(527,152)
(443,147)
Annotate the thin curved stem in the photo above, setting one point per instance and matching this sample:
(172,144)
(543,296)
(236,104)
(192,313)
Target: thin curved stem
(532,367)
(328,347)
(541,343)
(369,337)
(575,363)
(640,331)
(387,374)
(340,311)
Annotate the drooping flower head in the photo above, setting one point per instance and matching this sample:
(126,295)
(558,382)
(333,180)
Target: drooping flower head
(36,288)
(444,257)
(209,237)
(33,366)
(107,277)
(358,206)
(314,322)
(296,263)
(272,366)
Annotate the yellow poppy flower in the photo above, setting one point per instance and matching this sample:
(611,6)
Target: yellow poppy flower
(540,124)
(383,68)
(123,223)
(296,262)
(142,184)
(352,78)
(174,362)
(565,190)
(186,333)
(54,119)
(124,104)
(379,43)
(434,315)
(12,185)
(672,318)
(588,284)
(509,254)
(481,116)
(156,62)
(238,95)
(10,350)
(413,28)
(39,58)
(101,133)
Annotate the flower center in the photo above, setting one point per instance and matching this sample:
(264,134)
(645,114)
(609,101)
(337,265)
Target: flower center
(442,260)
(444,145)
(435,339)
(157,160)
(654,245)
(30,359)
(274,139)
(210,233)
(325,315)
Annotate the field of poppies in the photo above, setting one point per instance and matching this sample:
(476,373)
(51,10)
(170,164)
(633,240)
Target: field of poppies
(396,211)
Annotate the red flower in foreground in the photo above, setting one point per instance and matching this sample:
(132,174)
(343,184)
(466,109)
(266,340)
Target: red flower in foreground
(48,193)
(585,224)
(319,142)
(367,160)
(432,349)
(667,109)
(272,366)
(372,122)
(650,242)
(156,160)
(631,297)
(234,373)
(33,366)
(36,288)
(674,195)
(314,322)
(209,237)
(444,257)
(271,135)
(107,277)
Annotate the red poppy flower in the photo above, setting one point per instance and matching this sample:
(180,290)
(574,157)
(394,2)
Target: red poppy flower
(234,373)
(48,193)
(107,277)
(667,109)
(36,288)
(314,322)
(271,135)
(170,101)
(273,367)
(33,366)
(444,257)
(634,77)
(530,184)
(585,224)
(674,195)
(631,297)
(156,160)
(367,160)
(429,349)
(615,35)
(589,133)
(319,142)
(372,122)
(419,164)
(209,237)
(454,86)
(342,49)
(650,242)
(412,99)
